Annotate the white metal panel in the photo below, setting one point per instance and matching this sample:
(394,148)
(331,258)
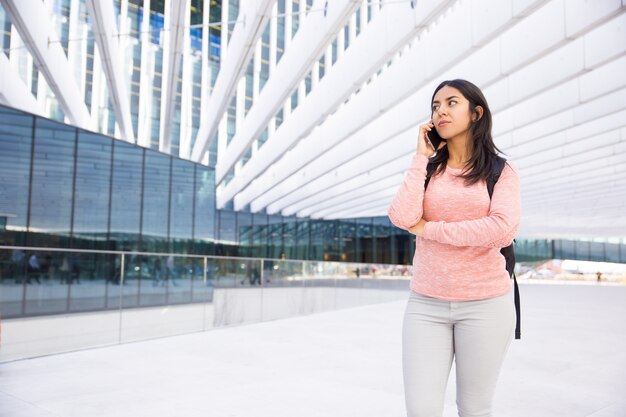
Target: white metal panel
(518,48)
(485,16)
(13,91)
(523,8)
(239,52)
(347,75)
(549,102)
(580,13)
(541,74)
(606,41)
(380,151)
(276,191)
(347,197)
(172,57)
(532,104)
(603,80)
(395,148)
(34,26)
(313,37)
(320,194)
(600,106)
(481,67)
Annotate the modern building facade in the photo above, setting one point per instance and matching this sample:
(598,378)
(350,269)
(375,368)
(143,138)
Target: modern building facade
(281,129)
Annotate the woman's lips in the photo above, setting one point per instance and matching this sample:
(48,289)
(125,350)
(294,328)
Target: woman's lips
(443,123)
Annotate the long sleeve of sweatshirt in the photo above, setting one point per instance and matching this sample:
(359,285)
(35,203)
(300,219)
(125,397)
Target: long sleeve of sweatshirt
(406,208)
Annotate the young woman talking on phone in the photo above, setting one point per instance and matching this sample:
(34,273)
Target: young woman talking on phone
(460,305)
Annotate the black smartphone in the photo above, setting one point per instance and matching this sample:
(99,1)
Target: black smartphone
(435,139)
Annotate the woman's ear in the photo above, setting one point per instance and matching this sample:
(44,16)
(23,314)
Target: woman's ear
(478,114)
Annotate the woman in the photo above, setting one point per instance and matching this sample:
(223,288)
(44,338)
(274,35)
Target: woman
(460,305)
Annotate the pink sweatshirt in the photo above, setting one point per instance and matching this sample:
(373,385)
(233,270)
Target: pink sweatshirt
(458,258)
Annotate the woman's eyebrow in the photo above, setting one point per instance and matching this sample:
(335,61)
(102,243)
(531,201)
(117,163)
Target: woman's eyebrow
(437,101)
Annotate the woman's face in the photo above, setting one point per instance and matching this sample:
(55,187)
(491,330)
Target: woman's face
(450,113)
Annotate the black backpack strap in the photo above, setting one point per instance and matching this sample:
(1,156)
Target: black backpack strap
(518,312)
(508,252)
(496,170)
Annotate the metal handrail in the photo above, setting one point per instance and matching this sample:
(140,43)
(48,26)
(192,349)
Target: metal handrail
(118,252)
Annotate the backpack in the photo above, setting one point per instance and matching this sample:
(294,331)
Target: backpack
(509,251)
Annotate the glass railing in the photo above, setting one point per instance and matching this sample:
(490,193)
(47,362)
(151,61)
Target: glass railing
(55,300)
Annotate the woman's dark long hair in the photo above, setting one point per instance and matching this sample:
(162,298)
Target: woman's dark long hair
(481,147)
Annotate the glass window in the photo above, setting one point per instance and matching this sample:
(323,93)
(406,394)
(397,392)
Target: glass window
(16,130)
(566,250)
(294,99)
(303,239)
(347,241)
(265,57)
(581,250)
(289,237)
(295,17)
(52,181)
(259,237)
(318,234)
(204,222)
(275,238)
(181,202)
(383,242)
(612,252)
(364,244)
(307,83)
(126,196)
(156,195)
(280,23)
(5,31)
(244,233)
(93,180)
(227,233)
(597,251)
(233,13)
(279,118)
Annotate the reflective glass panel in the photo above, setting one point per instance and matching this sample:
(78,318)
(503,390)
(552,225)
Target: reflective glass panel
(181,218)
(93,181)
(52,181)
(245,233)
(15,158)
(204,214)
(156,191)
(126,196)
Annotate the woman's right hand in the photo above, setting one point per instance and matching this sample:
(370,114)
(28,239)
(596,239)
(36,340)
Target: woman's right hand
(424,147)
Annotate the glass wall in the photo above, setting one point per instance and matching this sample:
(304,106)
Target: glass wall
(16,131)
(62,187)
(91,190)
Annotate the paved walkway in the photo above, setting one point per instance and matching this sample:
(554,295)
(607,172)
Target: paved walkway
(571,362)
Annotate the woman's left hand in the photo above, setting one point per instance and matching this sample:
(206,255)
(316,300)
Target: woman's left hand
(418,229)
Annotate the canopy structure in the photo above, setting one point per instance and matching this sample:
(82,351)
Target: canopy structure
(315,105)
(554,73)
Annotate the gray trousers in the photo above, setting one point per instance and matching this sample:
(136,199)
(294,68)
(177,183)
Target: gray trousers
(477,334)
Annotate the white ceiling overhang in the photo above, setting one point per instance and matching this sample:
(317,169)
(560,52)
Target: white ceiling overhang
(554,73)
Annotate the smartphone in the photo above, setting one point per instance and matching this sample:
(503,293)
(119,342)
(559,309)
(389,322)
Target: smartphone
(434,138)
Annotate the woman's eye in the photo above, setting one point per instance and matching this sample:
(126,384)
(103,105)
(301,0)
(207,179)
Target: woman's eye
(435,108)
(452,102)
